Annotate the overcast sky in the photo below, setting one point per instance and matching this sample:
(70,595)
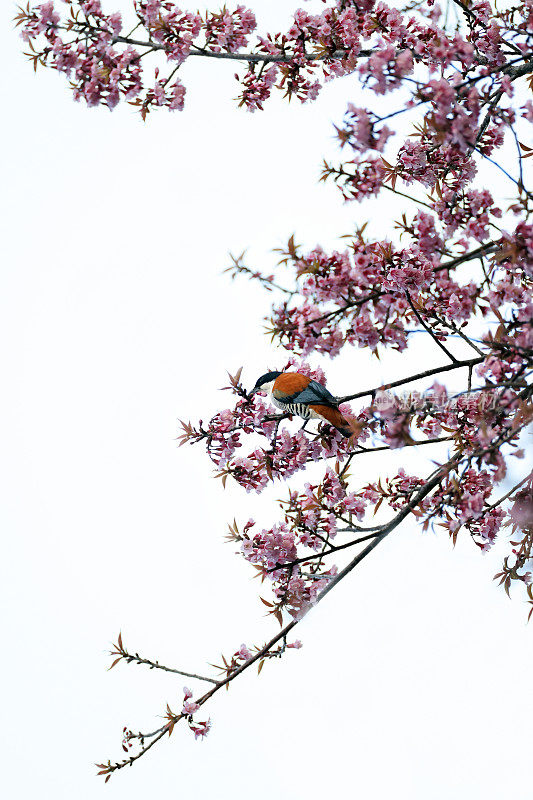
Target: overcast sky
(414,681)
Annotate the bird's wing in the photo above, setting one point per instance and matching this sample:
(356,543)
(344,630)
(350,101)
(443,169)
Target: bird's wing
(314,392)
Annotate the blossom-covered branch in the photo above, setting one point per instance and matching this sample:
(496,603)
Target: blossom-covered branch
(105,61)
(406,495)
(243,658)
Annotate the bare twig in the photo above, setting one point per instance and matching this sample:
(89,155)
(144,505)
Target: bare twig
(428,329)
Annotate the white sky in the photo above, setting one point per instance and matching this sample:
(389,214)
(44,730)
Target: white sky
(415,677)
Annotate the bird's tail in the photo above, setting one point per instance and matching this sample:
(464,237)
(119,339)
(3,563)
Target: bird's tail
(334,417)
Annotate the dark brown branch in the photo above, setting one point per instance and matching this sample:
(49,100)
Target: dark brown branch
(510,492)
(481,251)
(323,553)
(414,443)
(428,329)
(468,13)
(433,481)
(459,332)
(253,58)
(402,194)
(438,475)
(417,376)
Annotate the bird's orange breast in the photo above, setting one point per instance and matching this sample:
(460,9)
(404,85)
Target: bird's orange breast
(290,383)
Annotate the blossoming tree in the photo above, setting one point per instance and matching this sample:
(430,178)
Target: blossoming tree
(461,271)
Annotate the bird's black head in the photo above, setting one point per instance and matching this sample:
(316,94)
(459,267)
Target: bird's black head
(264,380)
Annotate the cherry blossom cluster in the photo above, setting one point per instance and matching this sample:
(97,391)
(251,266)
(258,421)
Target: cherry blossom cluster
(358,296)
(290,554)
(244,654)
(472,215)
(358,179)
(462,501)
(360,132)
(521,518)
(88,45)
(471,419)
(104,65)
(200,729)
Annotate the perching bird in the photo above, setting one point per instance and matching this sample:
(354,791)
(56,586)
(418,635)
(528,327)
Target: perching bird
(298,394)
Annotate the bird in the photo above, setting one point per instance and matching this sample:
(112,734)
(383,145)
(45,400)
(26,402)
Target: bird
(306,398)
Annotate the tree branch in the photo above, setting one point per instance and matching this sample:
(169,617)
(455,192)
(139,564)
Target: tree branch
(385,530)
(253,58)
(418,376)
(428,329)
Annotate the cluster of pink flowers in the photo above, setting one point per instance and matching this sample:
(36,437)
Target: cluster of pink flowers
(257,87)
(383,70)
(344,301)
(408,269)
(398,490)
(472,214)
(228,31)
(176,30)
(200,729)
(473,510)
(295,586)
(104,68)
(428,238)
(189,706)
(311,520)
(100,72)
(455,504)
(427,161)
(359,131)
(455,119)
(44,19)
(454,301)
(300,593)
(358,296)
(397,42)
(365,179)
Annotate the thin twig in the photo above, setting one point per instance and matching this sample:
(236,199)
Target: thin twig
(428,329)
(510,492)
(418,376)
